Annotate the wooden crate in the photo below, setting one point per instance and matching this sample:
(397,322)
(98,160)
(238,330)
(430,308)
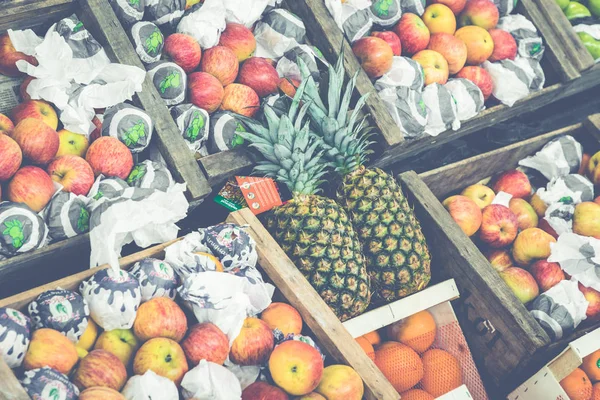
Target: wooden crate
(545,384)
(99,18)
(327,329)
(504,337)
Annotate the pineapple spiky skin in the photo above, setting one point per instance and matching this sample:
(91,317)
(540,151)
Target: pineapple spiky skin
(397,255)
(316,233)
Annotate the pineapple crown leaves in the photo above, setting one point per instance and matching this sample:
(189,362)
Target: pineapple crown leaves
(346,139)
(292,153)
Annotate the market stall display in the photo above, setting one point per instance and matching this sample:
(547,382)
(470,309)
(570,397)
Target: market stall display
(527,268)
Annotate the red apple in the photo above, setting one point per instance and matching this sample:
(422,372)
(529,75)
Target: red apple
(525,213)
(73,173)
(160,317)
(479,77)
(32,186)
(10,157)
(545,226)
(254,344)
(374,54)
(288,86)
(284,317)
(513,182)
(260,75)
(505,46)
(413,33)
(500,259)
(23,88)
(6,125)
(100,393)
(50,348)
(100,368)
(452,48)
(263,391)
(296,367)
(37,140)
(390,38)
(546,274)
(455,5)
(531,245)
(222,63)
(9,57)
(108,156)
(240,99)
(205,341)
(465,212)
(206,91)
(521,283)
(585,159)
(97,132)
(37,109)
(482,13)
(593,297)
(239,39)
(184,50)
(499,226)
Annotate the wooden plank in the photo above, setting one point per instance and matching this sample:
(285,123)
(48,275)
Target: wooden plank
(490,117)
(10,388)
(329,331)
(98,16)
(221,166)
(327,36)
(450,178)
(405,307)
(23,14)
(499,329)
(564,364)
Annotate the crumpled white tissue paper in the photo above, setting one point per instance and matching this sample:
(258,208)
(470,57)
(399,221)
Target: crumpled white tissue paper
(210,381)
(578,256)
(150,386)
(205,24)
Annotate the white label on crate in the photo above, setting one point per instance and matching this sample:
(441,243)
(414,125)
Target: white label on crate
(9,93)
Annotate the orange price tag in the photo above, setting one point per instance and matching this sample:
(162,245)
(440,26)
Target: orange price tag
(261,194)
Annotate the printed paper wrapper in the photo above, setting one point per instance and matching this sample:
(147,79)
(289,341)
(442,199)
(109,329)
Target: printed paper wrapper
(170,81)
(505,7)
(21,229)
(165,13)
(578,256)
(148,41)
(413,6)
(15,333)
(385,12)
(513,80)
(560,217)
(529,41)
(404,72)
(113,296)
(557,158)
(224,299)
(232,245)
(442,113)
(156,277)
(468,97)
(188,256)
(352,17)
(151,175)
(128,12)
(62,310)
(278,32)
(223,133)
(407,108)
(210,381)
(143,216)
(193,123)
(569,189)
(560,309)
(245,12)
(150,386)
(205,24)
(47,383)
(106,188)
(67,215)
(287,66)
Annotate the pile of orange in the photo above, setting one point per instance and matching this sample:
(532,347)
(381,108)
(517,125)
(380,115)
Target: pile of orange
(584,382)
(406,359)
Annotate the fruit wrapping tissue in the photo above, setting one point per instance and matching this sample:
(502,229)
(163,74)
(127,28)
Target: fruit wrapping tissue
(74,73)
(151,175)
(514,80)
(560,309)
(529,42)
(128,12)
(404,72)
(352,17)
(165,13)
(442,113)
(557,158)
(468,97)
(48,383)
(210,381)
(385,12)
(193,123)
(21,229)
(278,32)
(150,386)
(156,277)
(223,132)
(170,81)
(592,30)
(407,108)
(67,215)
(205,24)
(578,256)
(15,333)
(148,41)
(287,66)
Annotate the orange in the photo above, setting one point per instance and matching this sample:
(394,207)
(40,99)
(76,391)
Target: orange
(577,385)
(416,394)
(366,346)
(400,364)
(591,366)
(442,372)
(417,331)
(373,337)
(596,391)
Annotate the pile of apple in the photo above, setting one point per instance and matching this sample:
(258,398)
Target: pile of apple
(516,239)
(434,41)
(579,13)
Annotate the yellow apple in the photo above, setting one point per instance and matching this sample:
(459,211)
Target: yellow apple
(538,205)
(482,195)
(586,219)
(120,342)
(71,143)
(434,66)
(531,245)
(480,45)
(593,168)
(284,317)
(340,382)
(439,19)
(465,212)
(87,340)
(296,367)
(163,356)
(526,215)
(37,109)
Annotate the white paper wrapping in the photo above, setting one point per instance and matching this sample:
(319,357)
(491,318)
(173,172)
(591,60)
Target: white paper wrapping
(244,12)
(502,198)
(569,189)
(407,108)
(442,113)
(404,72)
(558,158)
(351,16)
(468,97)
(560,217)
(246,375)
(146,216)
(74,85)
(210,381)
(150,386)
(181,256)
(510,84)
(278,32)
(224,299)
(205,24)
(578,256)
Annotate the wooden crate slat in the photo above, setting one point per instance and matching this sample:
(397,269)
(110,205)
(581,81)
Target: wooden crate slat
(221,166)
(108,31)
(399,309)
(10,388)
(23,14)
(328,330)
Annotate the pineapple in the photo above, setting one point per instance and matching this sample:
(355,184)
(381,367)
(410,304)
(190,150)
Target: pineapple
(398,259)
(314,231)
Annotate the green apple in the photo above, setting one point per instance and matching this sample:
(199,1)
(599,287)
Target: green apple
(591,44)
(71,143)
(120,342)
(563,4)
(576,10)
(594,7)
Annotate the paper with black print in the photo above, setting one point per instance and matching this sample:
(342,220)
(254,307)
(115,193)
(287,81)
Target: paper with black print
(210,381)
(578,256)
(150,386)
(557,158)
